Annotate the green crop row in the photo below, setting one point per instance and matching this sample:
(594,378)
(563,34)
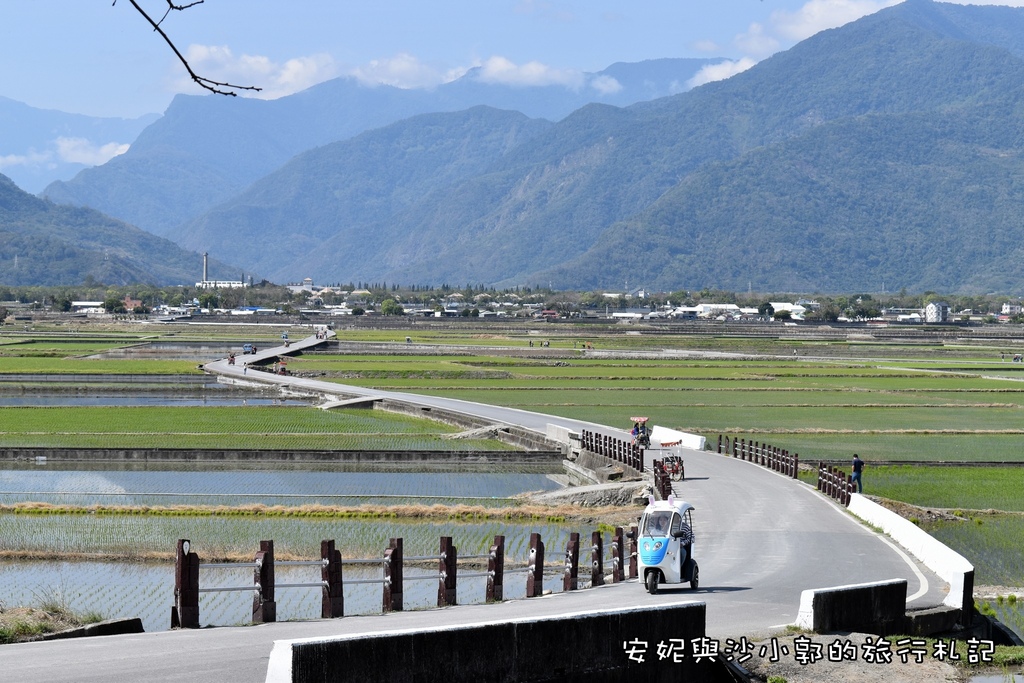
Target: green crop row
(212,420)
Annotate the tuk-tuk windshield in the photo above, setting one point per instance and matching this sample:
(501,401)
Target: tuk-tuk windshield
(657,523)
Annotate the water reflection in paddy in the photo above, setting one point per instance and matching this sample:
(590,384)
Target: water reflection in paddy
(197,485)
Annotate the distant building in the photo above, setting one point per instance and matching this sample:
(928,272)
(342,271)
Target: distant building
(1012,309)
(86,306)
(220,285)
(207,283)
(936,312)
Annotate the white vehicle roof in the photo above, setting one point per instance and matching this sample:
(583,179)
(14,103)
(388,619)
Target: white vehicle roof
(671,504)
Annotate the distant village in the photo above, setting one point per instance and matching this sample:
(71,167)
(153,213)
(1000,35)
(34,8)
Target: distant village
(327,301)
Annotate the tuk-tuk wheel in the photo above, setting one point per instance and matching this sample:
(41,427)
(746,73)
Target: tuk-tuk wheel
(695,579)
(652,583)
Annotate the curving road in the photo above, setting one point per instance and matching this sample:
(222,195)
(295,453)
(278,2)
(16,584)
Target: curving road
(761,539)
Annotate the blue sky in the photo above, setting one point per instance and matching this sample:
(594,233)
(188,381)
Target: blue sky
(98,58)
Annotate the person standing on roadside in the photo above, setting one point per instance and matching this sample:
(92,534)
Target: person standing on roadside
(858,471)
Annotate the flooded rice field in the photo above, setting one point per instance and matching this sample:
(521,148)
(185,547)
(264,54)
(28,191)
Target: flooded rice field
(137,585)
(126,590)
(134,587)
(130,390)
(196,484)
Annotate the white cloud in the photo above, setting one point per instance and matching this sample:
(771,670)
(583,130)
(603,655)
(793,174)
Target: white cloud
(29,159)
(403,71)
(82,151)
(720,71)
(504,71)
(818,15)
(708,46)
(276,79)
(784,29)
(758,42)
(66,151)
(606,85)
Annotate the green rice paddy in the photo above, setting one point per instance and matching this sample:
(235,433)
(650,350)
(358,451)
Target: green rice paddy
(244,427)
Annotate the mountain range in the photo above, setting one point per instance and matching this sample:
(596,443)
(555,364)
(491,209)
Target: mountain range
(205,150)
(42,243)
(882,155)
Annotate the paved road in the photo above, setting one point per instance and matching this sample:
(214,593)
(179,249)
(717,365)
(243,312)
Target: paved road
(761,539)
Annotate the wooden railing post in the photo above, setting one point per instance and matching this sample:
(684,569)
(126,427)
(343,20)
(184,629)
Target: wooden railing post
(332,604)
(596,559)
(185,612)
(447,573)
(264,607)
(393,576)
(496,571)
(535,577)
(618,554)
(634,549)
(570,576)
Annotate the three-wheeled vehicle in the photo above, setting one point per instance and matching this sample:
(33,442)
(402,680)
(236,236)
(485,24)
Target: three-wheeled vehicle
(641,433)
(665,544)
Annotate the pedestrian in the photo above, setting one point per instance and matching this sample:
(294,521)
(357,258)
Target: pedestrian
(858,472)
(245,368)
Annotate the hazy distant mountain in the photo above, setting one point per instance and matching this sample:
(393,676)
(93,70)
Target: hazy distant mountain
(883,153)
(39,146)
(207,149)
(328,208)
(45,244)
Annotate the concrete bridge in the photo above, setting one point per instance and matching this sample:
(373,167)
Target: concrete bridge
(763,541)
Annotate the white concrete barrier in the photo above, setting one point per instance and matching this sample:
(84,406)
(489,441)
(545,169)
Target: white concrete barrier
(668,438)
(951,566)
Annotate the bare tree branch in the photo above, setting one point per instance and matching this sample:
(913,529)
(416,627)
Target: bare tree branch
(213,86)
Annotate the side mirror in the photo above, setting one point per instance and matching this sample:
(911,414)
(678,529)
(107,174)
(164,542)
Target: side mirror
(630,535)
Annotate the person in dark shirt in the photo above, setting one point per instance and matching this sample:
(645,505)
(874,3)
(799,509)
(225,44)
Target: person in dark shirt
(858,470)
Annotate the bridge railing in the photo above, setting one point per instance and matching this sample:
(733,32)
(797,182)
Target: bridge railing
(776,459)
(662,480)
(613,448)
(835,483)
(189,569)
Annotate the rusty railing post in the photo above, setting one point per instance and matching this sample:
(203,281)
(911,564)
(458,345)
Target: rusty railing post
(496,571)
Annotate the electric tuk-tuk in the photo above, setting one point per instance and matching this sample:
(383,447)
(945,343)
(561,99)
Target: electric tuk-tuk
(665,544)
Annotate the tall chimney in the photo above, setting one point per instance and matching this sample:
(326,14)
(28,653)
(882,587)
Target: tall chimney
(206,258)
